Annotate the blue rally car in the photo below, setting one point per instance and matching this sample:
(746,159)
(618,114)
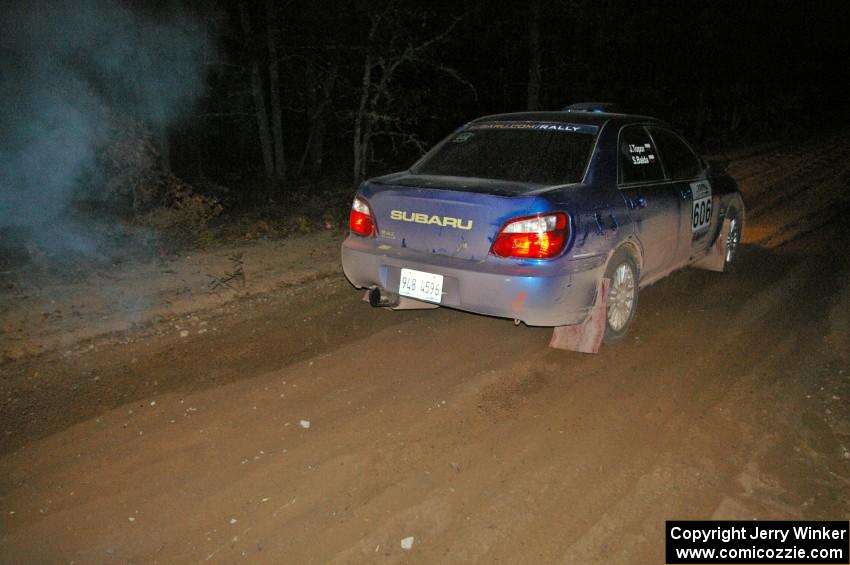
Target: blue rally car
(547,218)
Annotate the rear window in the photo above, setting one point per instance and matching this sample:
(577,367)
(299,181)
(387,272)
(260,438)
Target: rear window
(528,152)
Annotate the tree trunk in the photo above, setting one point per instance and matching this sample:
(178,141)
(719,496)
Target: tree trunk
(259,100)
(360,120)
(262,120)
(534,77)
(312,87)
(274,90)
(314,147)
(317,148)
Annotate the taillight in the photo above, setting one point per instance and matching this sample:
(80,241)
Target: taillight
(360,220)
(543,236)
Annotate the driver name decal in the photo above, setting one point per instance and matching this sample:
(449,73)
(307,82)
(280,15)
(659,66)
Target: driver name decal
(641,154)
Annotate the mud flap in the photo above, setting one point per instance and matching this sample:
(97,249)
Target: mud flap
(587,336)
(715,259)
(405,303)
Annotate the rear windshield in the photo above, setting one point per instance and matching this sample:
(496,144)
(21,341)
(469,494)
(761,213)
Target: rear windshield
(528,152)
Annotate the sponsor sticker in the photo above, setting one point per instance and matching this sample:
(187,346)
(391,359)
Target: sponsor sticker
(546,126)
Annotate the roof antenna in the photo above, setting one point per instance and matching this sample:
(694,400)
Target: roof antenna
(594,107)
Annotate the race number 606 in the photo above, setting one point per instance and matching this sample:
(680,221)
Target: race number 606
(702,213)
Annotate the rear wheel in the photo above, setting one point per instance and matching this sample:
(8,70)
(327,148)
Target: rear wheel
(733,238)
(622,296)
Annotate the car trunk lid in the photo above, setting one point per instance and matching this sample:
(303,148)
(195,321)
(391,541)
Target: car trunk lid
(452,216)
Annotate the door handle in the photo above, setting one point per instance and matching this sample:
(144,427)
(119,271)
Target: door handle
(637,203)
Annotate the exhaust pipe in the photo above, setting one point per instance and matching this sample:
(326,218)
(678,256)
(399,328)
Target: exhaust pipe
(381,299)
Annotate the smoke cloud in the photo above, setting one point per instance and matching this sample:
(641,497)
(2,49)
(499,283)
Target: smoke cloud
(62,64)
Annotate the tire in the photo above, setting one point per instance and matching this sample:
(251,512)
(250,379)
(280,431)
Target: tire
(622,296)
(733,237)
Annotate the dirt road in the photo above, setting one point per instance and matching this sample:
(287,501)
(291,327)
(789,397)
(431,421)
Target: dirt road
(296,425)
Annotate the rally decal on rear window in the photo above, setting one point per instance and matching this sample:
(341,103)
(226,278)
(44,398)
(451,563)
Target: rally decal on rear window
(551,126)
(701,213)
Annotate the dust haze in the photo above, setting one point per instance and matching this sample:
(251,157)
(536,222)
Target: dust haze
(66,67)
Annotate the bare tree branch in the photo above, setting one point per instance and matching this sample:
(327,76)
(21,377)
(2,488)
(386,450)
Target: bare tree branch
(402,50)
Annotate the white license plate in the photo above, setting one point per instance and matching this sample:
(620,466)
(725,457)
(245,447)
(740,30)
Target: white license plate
(421,285)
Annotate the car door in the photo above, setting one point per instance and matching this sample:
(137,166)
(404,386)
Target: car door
(693,189)
(652,202)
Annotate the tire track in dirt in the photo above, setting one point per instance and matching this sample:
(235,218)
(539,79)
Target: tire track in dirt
(807,190)
(465,432)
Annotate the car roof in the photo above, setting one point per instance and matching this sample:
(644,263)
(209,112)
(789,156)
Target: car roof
(585,118)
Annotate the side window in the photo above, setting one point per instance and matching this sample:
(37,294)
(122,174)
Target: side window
(680,161)
(638,159)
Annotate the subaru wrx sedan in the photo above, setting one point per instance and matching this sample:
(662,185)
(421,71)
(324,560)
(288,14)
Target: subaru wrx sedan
(530,216)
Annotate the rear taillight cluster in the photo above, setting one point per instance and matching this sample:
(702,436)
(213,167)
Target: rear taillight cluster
(360,220)
(543,236)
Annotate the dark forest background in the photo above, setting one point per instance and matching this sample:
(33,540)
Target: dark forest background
(396,77)
(217,110)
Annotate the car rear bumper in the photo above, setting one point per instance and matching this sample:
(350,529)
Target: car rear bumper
(551,293)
